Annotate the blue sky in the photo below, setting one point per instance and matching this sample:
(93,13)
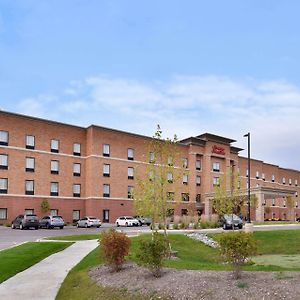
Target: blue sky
(226,67)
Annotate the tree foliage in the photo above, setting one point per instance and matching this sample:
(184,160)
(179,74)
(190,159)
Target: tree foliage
(290,206)
(45,206)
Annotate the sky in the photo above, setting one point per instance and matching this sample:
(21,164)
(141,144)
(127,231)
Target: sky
(192,66)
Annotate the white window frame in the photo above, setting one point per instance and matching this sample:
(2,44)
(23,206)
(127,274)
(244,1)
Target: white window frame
(198,164)
(54,145)
(4,184)
(76,189)
(77,169)
(151,157)
(130,154)
(29,187)
(106,150)
(216,166)
(30,141)
(257,174)
(106,170)
(54,187)
(170,177)
(3,137)
(106,190)
(198,180)
(3,161)
(216,181)
(185,179)
(3,213)
(185,162)
(130,172)
(53,212)
(273,178)
(77,149)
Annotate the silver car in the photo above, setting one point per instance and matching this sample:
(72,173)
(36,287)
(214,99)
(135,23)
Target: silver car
(51,222)
(89,222)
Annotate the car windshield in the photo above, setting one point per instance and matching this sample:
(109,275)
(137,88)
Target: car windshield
(232,217)
(57,217)
(92,218)
(129,218)
(30,216)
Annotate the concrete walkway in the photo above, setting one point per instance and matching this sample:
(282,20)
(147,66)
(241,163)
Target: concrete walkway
(43,280)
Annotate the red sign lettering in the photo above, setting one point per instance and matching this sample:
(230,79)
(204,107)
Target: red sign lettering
(218,150)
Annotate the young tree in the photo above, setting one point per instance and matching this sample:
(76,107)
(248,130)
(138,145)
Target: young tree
(290,207)
(45,206)
(152,195)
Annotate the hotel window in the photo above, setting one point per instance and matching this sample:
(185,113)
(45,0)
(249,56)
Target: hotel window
(76,215)
(54,166)
(185,162)
(185,179)
(106,190)
(170,177)
(216,167)
(130,154)
(130,173)
(273,178)
(3,213)
(106,150)
(185,197)
(53,212)
(296,182)
(28,211)
(130,192)
(170,196)
(247,173)
(54,189)
(257,175)
(184,212)
(76,149)
(54,146)
(216,181)
(151,157)
(30,141)
(3,185)
(30,163)
(29,187)
(3,138)
(198,198)
(106,170)
(290,181)
(76,190)
(76,169)
(198,180)
(198,165)
(273,202)
(3,161)
(283,180)
(263,176)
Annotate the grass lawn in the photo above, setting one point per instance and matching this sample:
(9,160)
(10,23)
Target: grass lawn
(17,259)
(192,255)
(80,237)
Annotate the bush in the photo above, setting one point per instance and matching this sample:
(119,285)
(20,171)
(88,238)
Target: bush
(236,248)
(208,224)
(114,248)
(151,253)
(175,226)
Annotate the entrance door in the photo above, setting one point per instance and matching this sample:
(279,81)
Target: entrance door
(105,216)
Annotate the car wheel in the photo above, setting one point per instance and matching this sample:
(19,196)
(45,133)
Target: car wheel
(21,226)
(86,225)
(118,224)
(13,226)
(61,227)
(240,226)
(36,227)
(126,224)
(224,226)
(98,226)
(48,226)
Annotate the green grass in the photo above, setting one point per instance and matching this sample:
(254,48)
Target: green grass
(274,222)
(80,237)
(17,259)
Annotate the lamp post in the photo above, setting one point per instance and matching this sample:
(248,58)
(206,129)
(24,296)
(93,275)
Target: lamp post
(248,136)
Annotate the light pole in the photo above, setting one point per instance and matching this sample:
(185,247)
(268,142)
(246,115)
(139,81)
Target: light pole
(248,136)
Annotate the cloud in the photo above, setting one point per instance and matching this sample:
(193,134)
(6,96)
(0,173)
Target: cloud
(185,105)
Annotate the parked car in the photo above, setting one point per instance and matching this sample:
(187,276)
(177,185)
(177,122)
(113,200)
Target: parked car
(231,222)
(298,219)
(25,221)
(51,222)
(89,222)
(127,221)
(143,220)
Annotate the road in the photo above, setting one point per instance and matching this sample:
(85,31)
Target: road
(10,237)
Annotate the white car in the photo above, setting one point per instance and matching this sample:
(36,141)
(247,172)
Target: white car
(127,221)
(88,222)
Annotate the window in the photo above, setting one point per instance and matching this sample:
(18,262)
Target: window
(283,180)
(296,182)
(130,173)
(53,212)
(284,202)
(198,198)
(151,157)
(296,204)
(3,213)
(106,150)
(170,161)
(198,180)
(3,161)
(216,181)
(170,196)
(76,149)
(130,192)
(29,142)
(76,215)
(54,164)
(54,146)
(184,212)
(29,187)
(273,178)
(257,175)
(3,185)
(105,216)
(30,163)
(130,154)
(28,211)
(54,189)
(185,179)
(3,138)
(170,177)
(106,170)
(296,194)
(273,202)
(247,173)
(76,190)
(185,162)
(216,167)
(106,190)
(198,165)
(185,197)
(76,169)
(263,176)
(290,181)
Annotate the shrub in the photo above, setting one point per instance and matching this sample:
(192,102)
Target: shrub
(175,226)
(209,224)
(114,248)
(236,248)
(151,253)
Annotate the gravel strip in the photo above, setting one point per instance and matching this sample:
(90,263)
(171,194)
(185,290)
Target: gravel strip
(189,284)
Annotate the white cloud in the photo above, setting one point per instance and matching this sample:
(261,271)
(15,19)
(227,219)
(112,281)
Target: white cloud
(186,105)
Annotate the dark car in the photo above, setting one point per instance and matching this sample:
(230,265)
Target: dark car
(231,222)
(52,221)
(298,219)
(25,221)
(143,220)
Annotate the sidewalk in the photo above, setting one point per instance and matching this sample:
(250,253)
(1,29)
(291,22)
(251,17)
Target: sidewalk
(43,280)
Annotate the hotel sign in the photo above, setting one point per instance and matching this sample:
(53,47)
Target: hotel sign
(218,150)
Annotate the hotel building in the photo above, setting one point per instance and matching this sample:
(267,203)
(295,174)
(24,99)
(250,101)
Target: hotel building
(91,171)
